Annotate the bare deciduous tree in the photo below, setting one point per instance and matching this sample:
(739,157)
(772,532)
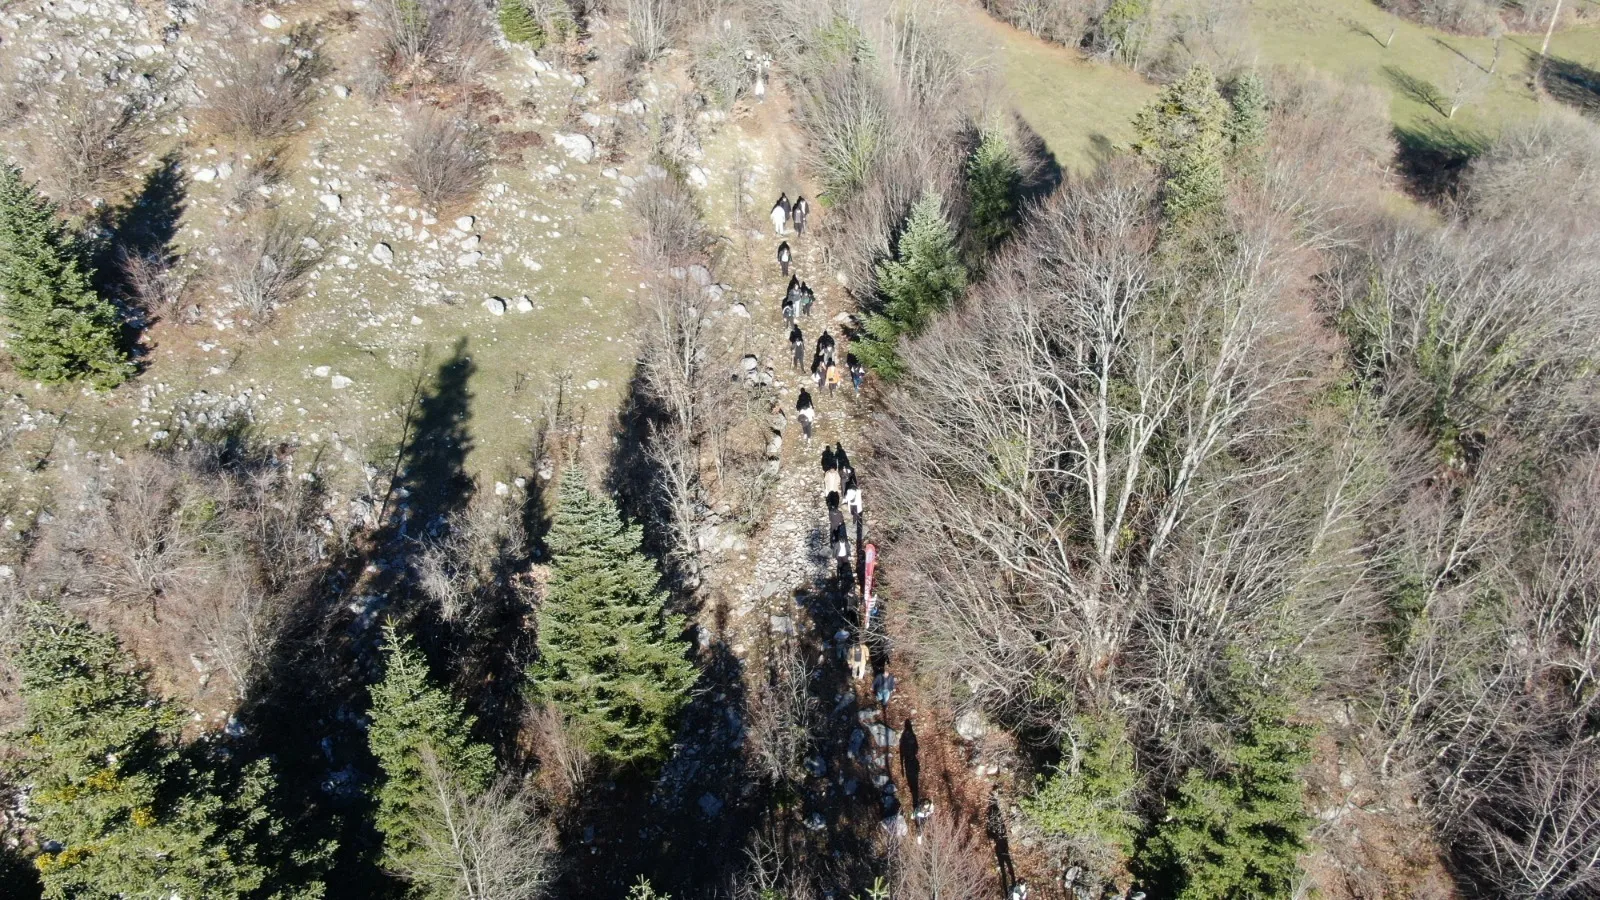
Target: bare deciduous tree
(478,846)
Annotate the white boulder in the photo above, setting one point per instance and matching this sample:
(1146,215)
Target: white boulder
(577,146)
(495,305)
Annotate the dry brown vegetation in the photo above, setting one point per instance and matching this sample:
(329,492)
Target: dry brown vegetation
(269,255)
(444,159)
(194,558)
(259,89)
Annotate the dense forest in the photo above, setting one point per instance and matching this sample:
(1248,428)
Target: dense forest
(1219,519)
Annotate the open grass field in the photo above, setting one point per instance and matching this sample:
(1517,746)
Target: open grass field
(1084,108)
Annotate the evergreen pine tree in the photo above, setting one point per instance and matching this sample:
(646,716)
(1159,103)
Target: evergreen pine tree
(1247,114)
(1087,801)
(1237,834)
(518,24)
(993,182)
(924,279)
(119,808)
(413,721)
(609,658)
(1183,133)
(61,330)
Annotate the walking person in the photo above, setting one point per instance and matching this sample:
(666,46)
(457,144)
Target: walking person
(816,373)
(852,502)
(784,256)
(825,347)
(842,460)
(830,461)
(780,215)
(830,482)
(790,314)
(831,376)
(835,513)
(858,372)
(799,212)
(841,547)
(806,412)
(807,297)
(797,341)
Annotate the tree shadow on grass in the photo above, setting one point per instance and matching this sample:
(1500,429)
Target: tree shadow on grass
(1570,82)
(1419,90)
(307,710)
(1041,171)
(1433,156)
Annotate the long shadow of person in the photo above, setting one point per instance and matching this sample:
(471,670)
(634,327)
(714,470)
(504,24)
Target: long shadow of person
(911,762)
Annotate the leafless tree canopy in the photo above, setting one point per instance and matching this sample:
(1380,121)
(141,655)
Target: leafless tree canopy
(478,846)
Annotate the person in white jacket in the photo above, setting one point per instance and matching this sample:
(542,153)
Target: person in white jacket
(780,215)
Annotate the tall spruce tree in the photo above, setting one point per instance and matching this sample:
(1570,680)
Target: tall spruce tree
(993,184)
(414,725)
(1237,833)
(120,809)
(609,656)
(924,279)
(1184,133)
(60,329)
(1247,114)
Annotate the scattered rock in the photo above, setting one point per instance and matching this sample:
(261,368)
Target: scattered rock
(341,91)
(577,146)
(783,625)
(321,371)
(470,258)
(340,382)
(470,242)
(501,489)
(381,254)
(271,22)
(524,304)
(331,202)
(591,384)
(699,177)
(463,223)
(738,309)
(495,305)
(710,805)
(970,725)
(700,274)
(206,175)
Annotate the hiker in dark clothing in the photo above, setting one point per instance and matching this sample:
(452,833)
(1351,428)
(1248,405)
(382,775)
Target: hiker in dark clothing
(789,311)
(830,461)
(806,412)
(842,459)
(784,256)
(792,292)
(835,513)
(807,297)
(825,347)
(799,212)
(841,545)
(797,341)
(858,372)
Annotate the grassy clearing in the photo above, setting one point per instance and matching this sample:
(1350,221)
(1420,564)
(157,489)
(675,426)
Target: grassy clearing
(1083,109)
(547,227)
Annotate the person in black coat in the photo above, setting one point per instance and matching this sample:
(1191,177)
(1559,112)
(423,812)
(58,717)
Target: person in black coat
(784,256)
(806,412)
(807,297)
(797,342)
(825,348)
(799,212)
